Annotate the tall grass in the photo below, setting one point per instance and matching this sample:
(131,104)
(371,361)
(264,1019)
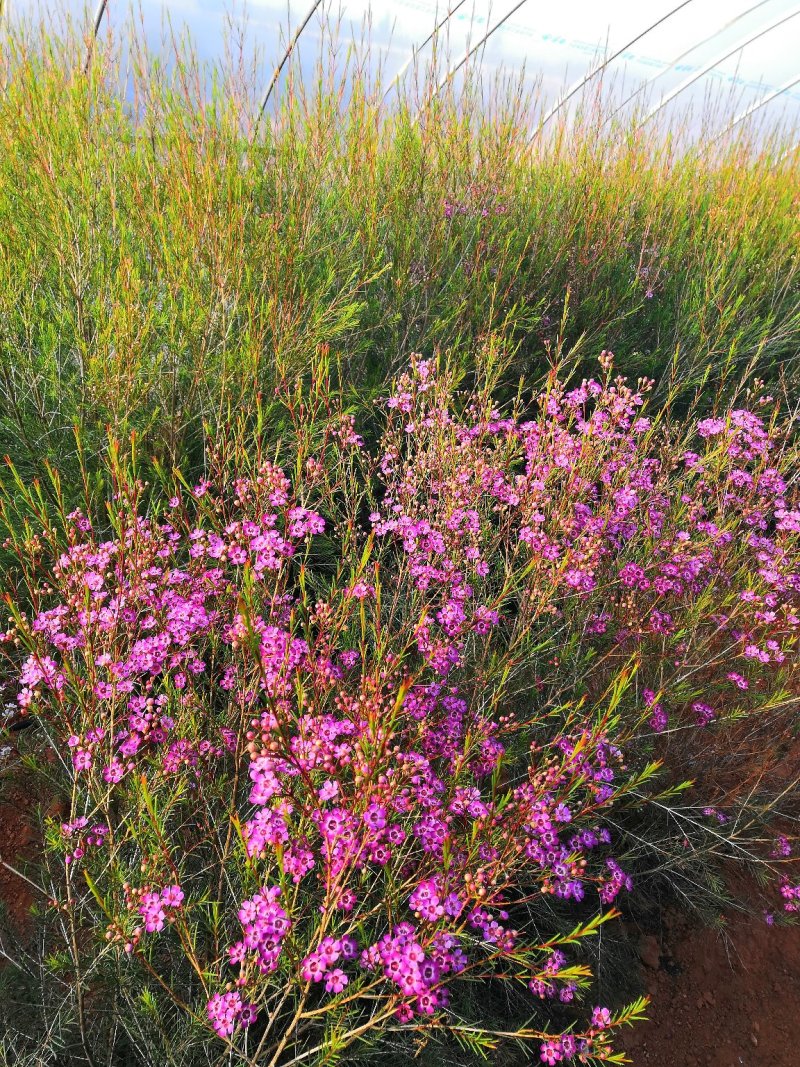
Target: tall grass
(163,258)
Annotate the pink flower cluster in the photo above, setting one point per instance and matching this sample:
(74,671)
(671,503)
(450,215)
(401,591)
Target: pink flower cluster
(157,906)
(587,500)
(791,896)
(80,835)
(265,925)
(227,1012)
(336,756)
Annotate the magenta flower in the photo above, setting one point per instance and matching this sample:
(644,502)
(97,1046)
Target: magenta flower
(335,981)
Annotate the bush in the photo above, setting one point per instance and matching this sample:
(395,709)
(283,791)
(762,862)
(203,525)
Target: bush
(162,260)
(343,747)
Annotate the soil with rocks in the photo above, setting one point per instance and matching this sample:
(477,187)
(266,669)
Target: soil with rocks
(19,841)
(728,998)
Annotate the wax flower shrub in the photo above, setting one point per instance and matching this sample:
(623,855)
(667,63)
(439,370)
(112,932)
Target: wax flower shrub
(627,538)
(286,814)
(344,736)
(606,522)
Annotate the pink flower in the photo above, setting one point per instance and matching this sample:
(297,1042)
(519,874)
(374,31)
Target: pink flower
(172,896)
(551,1052)
(312,968)
(335,981)
(601,1018)
(704,713)
(82,759)
(328,790)
(710,427)
(361,590)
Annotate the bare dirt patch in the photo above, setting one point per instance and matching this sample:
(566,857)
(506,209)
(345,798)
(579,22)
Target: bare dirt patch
(720,999)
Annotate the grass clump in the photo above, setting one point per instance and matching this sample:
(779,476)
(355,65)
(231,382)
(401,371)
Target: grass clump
(162,259)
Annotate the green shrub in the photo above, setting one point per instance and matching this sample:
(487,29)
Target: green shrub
(162,262)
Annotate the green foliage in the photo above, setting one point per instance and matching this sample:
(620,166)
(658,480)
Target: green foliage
(158,270)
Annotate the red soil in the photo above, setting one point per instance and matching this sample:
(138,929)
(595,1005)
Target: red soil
(18,841)
(720,999)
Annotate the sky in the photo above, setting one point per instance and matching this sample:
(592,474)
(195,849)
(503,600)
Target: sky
(676,63)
